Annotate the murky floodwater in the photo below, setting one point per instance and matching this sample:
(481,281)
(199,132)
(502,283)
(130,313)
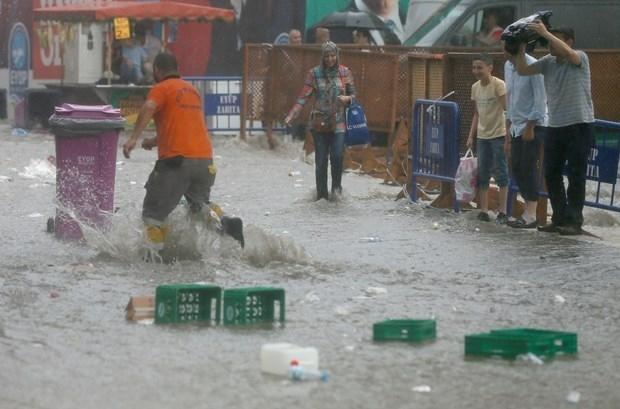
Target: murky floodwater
(64,341)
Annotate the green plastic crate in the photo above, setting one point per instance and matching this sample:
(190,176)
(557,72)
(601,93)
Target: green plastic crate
(508,345)
(182,303)
(404,330)
(563,342)
(253,305)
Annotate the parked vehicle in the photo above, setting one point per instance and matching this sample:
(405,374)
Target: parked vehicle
(461,22)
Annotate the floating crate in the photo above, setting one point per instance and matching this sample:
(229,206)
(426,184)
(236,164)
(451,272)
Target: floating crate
(253,305)
(182,303)
(509,345)
(405,330)
(564,342)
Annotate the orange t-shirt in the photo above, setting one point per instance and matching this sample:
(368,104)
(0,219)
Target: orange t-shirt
(180,121)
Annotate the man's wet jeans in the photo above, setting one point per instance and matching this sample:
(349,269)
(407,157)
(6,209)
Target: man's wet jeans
(570,145)
(325,144)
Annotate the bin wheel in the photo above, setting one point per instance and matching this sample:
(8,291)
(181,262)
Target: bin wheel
(51,225)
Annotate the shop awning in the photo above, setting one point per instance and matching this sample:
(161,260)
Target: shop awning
(137,10)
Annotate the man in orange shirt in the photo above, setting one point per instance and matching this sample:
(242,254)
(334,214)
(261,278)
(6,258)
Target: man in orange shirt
(185,154)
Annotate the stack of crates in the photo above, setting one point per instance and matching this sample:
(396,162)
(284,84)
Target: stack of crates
(253,305)
(407,330)
(183,303)
(512,342)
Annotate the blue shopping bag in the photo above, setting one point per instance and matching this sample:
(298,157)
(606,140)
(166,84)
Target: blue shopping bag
(357,127)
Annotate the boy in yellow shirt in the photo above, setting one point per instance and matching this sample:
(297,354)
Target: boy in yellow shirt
(488,128)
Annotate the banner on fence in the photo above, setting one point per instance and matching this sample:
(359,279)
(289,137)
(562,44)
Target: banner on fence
(603,165)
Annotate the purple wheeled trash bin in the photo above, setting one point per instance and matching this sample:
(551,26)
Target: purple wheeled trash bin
(86,139)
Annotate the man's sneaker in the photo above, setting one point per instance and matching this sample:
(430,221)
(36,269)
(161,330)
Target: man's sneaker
(570,230)
(549,228)
(484,217)
(233,226)
(520,223)
(501,218)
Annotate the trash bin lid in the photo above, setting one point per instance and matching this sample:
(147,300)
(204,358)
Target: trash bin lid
(87,111)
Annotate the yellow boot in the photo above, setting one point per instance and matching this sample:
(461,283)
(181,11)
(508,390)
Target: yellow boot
(217,209)
(156,235)
(214,217)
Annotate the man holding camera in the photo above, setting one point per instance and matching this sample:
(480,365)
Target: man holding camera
(571,116)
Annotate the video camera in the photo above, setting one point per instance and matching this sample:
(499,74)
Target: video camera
(518,32)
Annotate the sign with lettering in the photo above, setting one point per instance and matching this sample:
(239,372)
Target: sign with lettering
(121,28)
(19,62)
(222,104)
(603,164)
(48,39)
(433,140)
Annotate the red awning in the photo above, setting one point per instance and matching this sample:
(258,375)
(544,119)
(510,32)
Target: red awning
(156,10)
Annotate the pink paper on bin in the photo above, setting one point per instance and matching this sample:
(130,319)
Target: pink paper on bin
(85,172)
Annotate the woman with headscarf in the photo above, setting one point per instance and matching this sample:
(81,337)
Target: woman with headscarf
(332,86)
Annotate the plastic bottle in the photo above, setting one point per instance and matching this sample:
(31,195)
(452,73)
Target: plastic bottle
(276,358)
(299,373)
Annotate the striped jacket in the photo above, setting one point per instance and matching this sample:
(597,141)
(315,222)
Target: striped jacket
(326,85)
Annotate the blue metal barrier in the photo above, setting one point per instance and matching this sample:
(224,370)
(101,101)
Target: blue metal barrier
(434,142)
(602,171)
(221,101)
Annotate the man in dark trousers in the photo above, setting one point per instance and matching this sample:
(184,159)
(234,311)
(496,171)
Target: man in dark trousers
(571,117)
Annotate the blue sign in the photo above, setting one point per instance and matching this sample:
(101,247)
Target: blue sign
(222,104)
(433,140)
(603,164)
(19,61)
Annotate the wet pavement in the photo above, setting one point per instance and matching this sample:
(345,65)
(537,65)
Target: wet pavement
(65,343)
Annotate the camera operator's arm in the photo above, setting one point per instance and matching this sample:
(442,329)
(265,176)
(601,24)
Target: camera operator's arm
(562,49)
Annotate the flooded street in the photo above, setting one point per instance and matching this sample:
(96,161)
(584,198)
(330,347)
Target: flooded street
(65,343)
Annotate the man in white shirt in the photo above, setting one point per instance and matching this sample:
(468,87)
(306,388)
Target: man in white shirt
(526,108)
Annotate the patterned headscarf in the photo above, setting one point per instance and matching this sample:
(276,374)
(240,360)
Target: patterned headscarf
(329,47)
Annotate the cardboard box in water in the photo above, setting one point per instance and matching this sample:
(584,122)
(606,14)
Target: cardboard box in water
(141,308)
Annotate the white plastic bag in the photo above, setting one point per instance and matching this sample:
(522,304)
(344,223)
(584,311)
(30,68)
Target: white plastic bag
(466,178)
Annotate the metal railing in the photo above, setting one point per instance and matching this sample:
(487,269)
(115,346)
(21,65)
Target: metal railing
(434,143)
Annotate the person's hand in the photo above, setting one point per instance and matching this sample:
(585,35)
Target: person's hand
(149,143)
(507,147)
(288,120)
(345,99)
(128,147)
(528,134)
(538,27)
(470,142)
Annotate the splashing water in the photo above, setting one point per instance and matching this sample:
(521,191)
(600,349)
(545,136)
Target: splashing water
(190,238)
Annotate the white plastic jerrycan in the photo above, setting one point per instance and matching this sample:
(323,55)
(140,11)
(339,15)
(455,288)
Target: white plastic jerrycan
(276,358)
